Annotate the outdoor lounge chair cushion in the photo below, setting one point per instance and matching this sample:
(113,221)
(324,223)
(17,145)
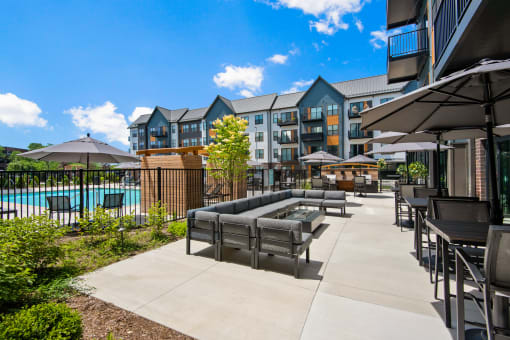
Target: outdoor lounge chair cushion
(275,197)
(191,213)
(298,193)
(225,208)
(288,193)
(265,199)
(312,202)
(314,194)
(306,240)
(230,221)
(294,226)
(333,203)
(206,219)
(334,195)
(254,202)
(240,205)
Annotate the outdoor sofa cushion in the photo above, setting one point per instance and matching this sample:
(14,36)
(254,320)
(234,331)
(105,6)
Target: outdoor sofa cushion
(240,205)
(203,219)
(314,194)
(225,208)
(254,202)
(294,226)
(297,193)
(334,195)
(265,199)
(191,213)
(275,197)
(333,203)
(313,202)
(229,222)
(306,240)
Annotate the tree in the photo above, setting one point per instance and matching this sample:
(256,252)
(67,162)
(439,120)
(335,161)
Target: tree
(18,163)
(230,151)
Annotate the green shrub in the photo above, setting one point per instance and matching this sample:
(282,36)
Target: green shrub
(43,321)
(177,228)
(156,218)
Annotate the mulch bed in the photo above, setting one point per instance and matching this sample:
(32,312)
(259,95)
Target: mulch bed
(100,318)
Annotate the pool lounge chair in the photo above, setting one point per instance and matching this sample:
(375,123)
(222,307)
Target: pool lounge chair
(60,204)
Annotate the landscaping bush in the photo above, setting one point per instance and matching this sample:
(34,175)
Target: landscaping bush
(177,228)
(43,321)
(156,218)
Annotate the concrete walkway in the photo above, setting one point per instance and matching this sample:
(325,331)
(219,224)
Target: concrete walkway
(363,282)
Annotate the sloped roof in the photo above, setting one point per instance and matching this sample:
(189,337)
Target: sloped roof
(195,114)
(143,119)
(368,86)
(287,100)
(252,104)
(177,114)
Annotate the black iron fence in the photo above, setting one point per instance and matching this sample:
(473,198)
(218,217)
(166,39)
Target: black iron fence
(68,195)
(447,16)
(262,180)
(408,43)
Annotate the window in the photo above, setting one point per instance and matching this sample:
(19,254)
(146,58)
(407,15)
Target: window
(174,129)
(142,145)
(259,153)
(275,154)
(205,141)
(286,136)
(315,148)
(333,149)
(356,149)
(358,107)
(194,127)
(185,128)
(286,155)
(173,143)
(316,113)
(275,118)
(316,129)
(204,125)
(193,142)
(332,110)
(259,119)
(384,100)
(286,116)
(259,136)
(185,142)
(134,133)
(275,135)
(141,132)
(134,146)
(332,130)
(355,130)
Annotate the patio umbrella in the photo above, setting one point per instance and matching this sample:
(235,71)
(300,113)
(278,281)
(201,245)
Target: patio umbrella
(83,150)
(475,98)
(360,159)
(128,165)
(320,157)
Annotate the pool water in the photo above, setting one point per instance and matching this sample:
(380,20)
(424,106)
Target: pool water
(95,197)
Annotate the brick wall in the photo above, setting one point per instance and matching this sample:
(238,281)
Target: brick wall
(480,175)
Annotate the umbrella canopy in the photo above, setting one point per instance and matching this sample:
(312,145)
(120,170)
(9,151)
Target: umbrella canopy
(408,147)
(476,97)
(83,150)
(129,165)
(321,156)
(360,159)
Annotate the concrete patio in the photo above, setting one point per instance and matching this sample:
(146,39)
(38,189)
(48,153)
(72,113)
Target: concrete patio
(363,282)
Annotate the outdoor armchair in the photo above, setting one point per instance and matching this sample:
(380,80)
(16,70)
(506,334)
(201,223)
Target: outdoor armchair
(60,204)
(493,281)
(203,227)
(114,201)
(239,232)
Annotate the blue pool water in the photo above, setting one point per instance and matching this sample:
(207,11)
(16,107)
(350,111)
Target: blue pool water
(95,197)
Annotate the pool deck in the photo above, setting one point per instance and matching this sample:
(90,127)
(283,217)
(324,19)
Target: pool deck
(363,282)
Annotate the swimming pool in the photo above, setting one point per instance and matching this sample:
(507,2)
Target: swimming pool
(95,197)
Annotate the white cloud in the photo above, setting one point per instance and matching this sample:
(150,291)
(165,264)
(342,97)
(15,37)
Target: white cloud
(329,13)
(294,50)
(298,86)
(246,93)
(15,111)
(102,119)
(278,59)
(138,111)
(359,24)
(380,38)
(239,77)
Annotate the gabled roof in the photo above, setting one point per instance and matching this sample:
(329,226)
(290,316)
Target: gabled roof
(319,78)
(226,101)
(252,104)
(287,100)
(143,119)
(195,114)
(368,86)
(171,115)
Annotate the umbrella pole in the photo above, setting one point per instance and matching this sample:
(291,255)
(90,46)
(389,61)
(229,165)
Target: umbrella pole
(497,215)
(407,168)
(438,166)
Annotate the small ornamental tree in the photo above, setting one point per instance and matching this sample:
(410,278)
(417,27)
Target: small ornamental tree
(230,151)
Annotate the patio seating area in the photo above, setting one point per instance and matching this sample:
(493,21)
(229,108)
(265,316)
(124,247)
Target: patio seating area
(363,282)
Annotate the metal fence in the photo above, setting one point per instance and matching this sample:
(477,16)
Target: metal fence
(67,195)
(408,43)
(262,180)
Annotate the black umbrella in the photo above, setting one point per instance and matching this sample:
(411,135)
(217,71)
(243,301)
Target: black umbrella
(475,98)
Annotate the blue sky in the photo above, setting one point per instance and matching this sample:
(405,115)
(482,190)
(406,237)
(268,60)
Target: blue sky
(72,67)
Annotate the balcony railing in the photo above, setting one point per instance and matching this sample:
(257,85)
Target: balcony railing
(448,15)
(408,44)
(312,137)
(158,133)
(360,134)
(311,118)
(287,140)
(286,122)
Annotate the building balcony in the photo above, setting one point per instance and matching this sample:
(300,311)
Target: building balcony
(315,118)
(401,12)
(288,140)
(287,122)
(159,146)
(159,133)
(312,137)
(407,53)
(353,115)
(360,134)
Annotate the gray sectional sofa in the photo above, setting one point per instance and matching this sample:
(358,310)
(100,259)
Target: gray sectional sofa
(253,224)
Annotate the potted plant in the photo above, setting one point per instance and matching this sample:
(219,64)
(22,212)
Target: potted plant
(418,172)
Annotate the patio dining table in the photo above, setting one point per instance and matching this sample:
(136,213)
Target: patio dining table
(456,232)
(418,204)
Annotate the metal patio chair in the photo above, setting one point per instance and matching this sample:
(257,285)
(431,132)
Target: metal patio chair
(493,281)
(60,204)
(114,201)
(360,185)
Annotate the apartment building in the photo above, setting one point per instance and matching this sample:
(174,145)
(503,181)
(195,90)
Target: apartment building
(281,128)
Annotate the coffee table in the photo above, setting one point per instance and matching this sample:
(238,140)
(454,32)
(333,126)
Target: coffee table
(310,219)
